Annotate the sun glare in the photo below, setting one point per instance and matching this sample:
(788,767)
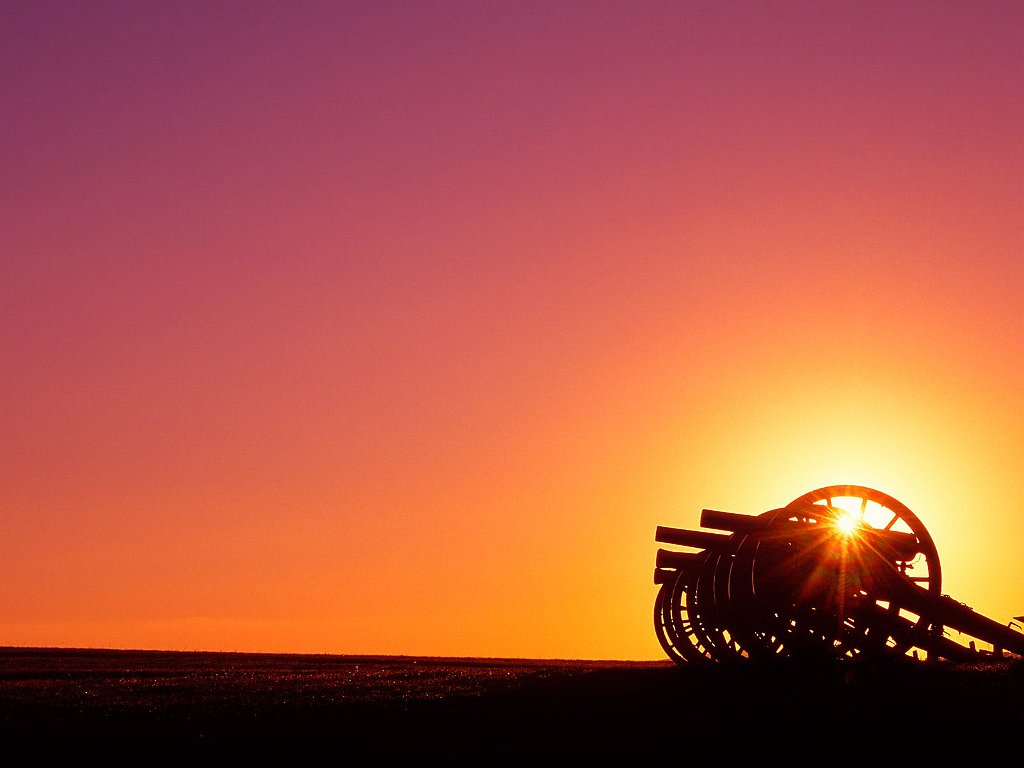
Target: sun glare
(849,511)
(846,523)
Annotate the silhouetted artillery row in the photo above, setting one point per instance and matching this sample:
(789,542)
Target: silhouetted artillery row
(841,573)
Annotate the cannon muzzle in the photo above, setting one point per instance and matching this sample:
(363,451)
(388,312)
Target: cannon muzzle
(687,538)
(680,561)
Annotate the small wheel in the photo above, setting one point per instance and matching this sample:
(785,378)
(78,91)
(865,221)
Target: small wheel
(711,604)
(677,624)
(671,637)
(761,622)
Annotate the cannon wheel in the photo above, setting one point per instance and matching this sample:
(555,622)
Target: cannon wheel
(883,512)
(672,622)
(768,629)
(711,606)
(677,623)
(891,515)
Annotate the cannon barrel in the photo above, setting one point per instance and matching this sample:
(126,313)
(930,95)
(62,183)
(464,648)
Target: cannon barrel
(681,561)
(687,538)
(895,545)
(730,521)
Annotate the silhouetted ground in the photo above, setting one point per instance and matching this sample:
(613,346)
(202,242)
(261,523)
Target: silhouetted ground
(145,706)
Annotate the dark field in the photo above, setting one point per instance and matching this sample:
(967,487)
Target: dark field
(142,706)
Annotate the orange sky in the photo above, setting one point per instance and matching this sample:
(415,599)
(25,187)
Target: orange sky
(398,328)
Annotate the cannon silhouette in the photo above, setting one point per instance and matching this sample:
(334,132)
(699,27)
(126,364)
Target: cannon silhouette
(842,573)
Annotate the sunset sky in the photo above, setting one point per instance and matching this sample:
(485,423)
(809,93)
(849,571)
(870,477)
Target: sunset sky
(397,328)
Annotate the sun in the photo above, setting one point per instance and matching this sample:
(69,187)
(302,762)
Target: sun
(847,523)
(849,513)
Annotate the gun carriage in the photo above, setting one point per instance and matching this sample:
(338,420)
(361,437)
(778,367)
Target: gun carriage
(842,573)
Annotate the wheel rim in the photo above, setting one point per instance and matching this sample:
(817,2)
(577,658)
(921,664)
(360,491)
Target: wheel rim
(873,626)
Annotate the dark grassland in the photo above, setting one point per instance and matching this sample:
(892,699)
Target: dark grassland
(150,706)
